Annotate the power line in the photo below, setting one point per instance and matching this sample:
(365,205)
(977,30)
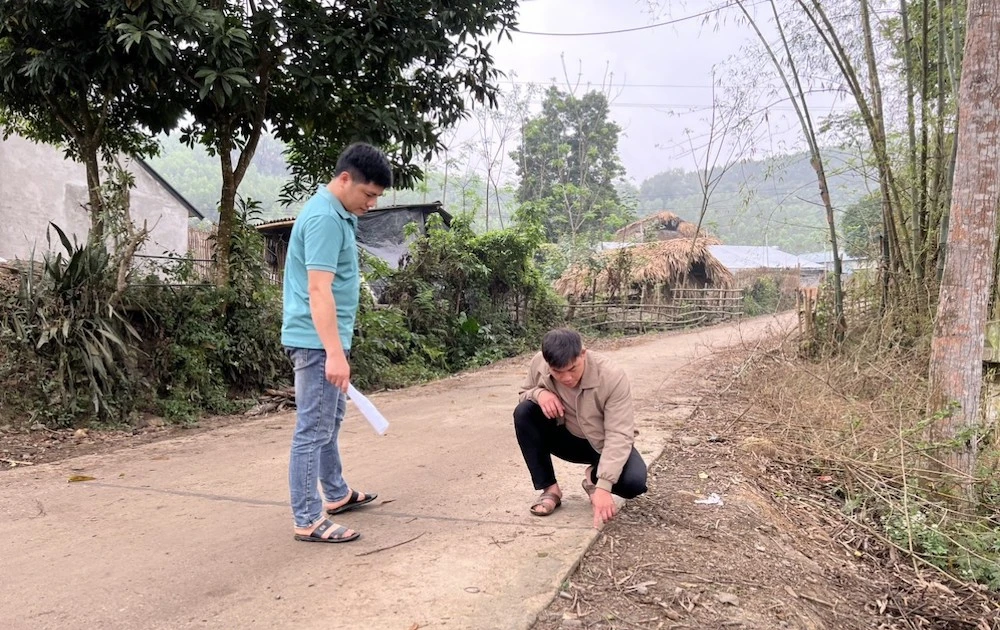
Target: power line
(610,85)
(637,28)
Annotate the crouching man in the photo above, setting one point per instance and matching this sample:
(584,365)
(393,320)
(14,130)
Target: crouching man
(577,405)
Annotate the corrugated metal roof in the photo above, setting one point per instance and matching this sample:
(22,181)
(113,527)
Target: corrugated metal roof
(826,258)
(606,245)
(426,208)
(737,257)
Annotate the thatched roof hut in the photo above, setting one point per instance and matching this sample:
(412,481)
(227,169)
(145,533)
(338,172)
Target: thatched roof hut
(662,226)
(646,270)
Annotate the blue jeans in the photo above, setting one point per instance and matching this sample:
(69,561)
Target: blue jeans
(320,409)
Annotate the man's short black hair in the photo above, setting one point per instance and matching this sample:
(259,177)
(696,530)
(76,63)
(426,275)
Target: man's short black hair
(366,164)
(561,346)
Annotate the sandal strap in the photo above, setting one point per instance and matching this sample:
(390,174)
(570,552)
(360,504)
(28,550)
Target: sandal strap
(548,496)
(338,533)
(321,528)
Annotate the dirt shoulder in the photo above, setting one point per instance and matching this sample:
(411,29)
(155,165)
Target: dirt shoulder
(775,553)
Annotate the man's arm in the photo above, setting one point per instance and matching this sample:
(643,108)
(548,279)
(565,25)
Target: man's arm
(551,406)
(324,315)
(619,433)
(529,387)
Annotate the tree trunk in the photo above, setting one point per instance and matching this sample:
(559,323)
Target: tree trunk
(96,203)
(227,215)
(956,365)
(920,296)
(911,125)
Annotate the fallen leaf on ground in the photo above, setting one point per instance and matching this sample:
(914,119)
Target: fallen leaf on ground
(76,478)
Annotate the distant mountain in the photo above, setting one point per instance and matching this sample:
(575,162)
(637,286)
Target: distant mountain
(774,201)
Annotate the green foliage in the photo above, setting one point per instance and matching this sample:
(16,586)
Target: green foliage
(460,300)
(862,226)
(970,551)
(98,76)
(92,77)
(568,164)
(72,71)
(64,325)
(174,345)
(206,345)
(762,297)
(320,75)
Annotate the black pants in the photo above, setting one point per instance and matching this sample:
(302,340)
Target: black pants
(540,438)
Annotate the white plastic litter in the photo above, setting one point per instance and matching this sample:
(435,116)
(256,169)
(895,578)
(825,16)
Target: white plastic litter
(368,410)
(713,499)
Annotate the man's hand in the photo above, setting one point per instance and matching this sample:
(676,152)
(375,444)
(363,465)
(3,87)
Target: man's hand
(551,406)
(604,507)
(338,370)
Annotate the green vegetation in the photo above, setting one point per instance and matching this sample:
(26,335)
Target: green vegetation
(172,345)
(463,300)
(177,345)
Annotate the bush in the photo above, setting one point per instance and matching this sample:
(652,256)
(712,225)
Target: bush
(459,301)
(762,297)
(179,346)
(208,346)
(70,352)
(63,327)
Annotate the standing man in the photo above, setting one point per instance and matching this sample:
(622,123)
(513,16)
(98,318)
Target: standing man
(577,405)
(321,293)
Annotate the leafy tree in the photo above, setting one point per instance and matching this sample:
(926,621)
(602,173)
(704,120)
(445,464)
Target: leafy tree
(862,225)
(568,164)
(321,75)
(86,76)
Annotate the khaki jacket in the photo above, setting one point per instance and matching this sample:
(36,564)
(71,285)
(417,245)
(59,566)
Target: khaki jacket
(604,410)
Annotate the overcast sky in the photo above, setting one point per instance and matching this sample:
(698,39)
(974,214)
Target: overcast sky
(661,77)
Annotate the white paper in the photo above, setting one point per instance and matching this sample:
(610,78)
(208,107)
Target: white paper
(713,499)
(368,410)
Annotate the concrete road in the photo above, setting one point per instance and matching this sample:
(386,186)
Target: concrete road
(196,532)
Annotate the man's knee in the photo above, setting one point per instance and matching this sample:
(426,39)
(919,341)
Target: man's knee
(631,487)
(526,411)
(632,482)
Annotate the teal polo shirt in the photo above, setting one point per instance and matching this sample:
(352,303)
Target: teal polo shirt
(324,239)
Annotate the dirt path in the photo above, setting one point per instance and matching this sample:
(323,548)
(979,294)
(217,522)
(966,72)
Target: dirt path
(195,531)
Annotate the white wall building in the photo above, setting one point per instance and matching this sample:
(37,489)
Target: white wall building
(39,185)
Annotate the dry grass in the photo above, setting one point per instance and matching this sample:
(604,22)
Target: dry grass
(856,423)
(667,264)
(661,226)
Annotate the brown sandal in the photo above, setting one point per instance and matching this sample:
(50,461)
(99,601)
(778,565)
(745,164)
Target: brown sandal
(546,499)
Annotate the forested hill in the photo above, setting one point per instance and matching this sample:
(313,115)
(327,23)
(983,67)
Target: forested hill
(773,201)
(197,175)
